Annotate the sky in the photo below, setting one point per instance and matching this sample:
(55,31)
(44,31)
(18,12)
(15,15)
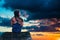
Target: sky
(37,8)
(5,12)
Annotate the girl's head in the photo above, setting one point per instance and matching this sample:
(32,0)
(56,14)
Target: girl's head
(16,13)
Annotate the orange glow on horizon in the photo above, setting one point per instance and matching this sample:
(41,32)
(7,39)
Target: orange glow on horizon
(45,35)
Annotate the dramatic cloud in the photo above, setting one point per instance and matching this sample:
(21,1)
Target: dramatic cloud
(39,8)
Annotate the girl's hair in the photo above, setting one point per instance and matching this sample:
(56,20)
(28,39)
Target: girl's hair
(16,13)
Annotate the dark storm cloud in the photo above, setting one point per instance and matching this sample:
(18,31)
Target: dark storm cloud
(39,8)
